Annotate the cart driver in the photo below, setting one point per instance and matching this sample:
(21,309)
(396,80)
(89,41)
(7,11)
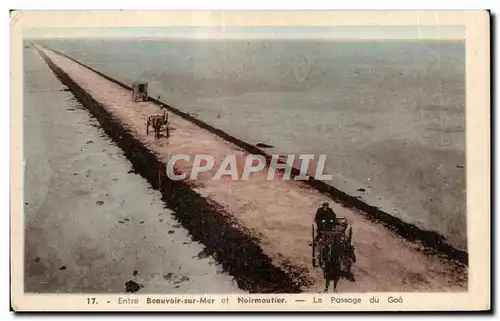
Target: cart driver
(324,215)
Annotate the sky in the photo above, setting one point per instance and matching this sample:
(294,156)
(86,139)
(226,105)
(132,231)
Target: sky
(335,32)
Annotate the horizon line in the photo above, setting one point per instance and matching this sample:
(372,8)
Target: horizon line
(247,38)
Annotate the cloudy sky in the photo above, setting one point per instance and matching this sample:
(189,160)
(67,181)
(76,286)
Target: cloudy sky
(340,32)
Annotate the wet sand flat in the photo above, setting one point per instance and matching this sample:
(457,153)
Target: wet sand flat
(91,225)
(279,213)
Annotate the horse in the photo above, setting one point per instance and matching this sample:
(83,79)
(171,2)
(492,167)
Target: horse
(337,258)
(157,121)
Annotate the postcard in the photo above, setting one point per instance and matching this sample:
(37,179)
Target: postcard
(250,161)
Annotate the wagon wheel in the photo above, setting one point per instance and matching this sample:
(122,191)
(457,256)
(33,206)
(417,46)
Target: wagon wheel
(167,129)
(314,261)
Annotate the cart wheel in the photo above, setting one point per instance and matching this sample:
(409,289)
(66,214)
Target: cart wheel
(349,235)
(314,263)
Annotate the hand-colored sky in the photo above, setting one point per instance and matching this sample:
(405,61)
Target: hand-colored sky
(340,32)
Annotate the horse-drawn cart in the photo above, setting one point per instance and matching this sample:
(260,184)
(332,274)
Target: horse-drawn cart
(333,251)
(335,234)
(139,91)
